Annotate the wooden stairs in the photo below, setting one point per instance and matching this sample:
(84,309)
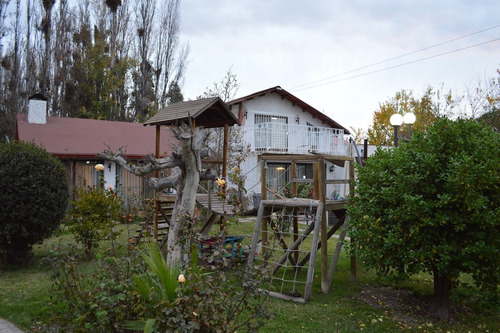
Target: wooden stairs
(161,217)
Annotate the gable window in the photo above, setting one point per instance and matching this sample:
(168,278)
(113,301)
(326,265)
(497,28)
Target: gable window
(271,133)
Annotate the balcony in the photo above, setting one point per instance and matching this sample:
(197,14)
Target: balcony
(295,139)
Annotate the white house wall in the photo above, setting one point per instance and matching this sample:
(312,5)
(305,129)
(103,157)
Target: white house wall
(274,105)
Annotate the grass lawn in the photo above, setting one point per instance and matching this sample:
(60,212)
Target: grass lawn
(370,304)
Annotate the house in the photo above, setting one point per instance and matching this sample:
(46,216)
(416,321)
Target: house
(275,121)
(77,141)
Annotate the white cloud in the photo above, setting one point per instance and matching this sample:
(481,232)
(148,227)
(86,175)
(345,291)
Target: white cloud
(291,43)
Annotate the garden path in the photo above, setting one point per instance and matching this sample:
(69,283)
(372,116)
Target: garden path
(6,327)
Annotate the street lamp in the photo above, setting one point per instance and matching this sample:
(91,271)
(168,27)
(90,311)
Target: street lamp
(397,120)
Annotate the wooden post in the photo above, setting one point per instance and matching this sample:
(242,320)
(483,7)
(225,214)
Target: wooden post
(319,193)
(209,205)
(295,210)
(263,196)
(225,153)
(225,149)
(157,175)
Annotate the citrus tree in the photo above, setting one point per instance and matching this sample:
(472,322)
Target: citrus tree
(433,205)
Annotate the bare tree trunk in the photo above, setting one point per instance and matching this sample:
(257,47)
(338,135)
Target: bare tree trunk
(441,304)
(186,200)
(188,160)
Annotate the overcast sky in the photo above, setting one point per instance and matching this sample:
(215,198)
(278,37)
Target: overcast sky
(321,44)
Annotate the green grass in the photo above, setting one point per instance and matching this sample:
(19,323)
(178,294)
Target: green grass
(25,298)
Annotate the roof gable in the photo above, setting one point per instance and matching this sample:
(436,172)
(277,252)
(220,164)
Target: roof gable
(295,101)
(85,138)
(207,112)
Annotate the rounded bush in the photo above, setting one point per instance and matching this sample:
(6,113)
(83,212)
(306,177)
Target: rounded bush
(33,196)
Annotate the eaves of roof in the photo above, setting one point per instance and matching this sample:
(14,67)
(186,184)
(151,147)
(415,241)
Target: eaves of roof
(295,101)
(207,112)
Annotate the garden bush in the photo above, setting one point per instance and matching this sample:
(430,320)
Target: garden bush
(433,205)
(34,196)
(205,298)
(92,216)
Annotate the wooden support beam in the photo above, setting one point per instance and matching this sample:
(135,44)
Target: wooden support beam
(282,242)
(205,229)
(157,175)
(295,210)
(329,235)
(319,192)
(294,247)
(336,254)
(263,193)
(225,153)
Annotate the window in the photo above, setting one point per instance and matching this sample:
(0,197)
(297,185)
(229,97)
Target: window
(271,132)
(312,136)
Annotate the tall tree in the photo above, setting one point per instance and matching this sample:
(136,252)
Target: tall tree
(62,58)
(4,6)
(170,54)
(11,73)
(46,27)
(143,103)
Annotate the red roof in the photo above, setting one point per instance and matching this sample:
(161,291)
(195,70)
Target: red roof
(85,138)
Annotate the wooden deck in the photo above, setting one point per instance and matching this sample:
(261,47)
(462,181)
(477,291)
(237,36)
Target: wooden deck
(217,205)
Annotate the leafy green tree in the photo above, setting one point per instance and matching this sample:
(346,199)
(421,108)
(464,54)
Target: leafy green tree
(34,195)
(426,109)
(486,102)
(433,205)
(174,94)
(93,81)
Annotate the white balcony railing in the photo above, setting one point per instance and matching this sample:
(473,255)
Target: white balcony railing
(295,139)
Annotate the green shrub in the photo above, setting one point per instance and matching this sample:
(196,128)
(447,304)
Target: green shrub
(33,196)
(433,205)
(98,300)
(203,299)
(92,214)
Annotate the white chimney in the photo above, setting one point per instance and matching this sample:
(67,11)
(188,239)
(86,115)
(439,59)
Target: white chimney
(37,109)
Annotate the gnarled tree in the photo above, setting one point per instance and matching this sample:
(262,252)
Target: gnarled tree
(187,172)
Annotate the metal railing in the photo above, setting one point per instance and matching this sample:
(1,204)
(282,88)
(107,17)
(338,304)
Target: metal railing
(295,139)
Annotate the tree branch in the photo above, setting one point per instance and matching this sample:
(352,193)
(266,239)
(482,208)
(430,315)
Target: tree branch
(175,160)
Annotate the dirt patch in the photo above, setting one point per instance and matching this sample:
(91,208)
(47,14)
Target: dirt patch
(403,305)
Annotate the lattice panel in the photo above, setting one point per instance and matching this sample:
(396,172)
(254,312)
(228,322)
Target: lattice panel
(286,239)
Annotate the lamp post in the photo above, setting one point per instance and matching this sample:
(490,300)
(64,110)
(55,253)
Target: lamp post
(397,120)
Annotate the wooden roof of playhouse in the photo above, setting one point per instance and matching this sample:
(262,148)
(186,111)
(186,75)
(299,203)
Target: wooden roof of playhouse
(295,101)
(207,112)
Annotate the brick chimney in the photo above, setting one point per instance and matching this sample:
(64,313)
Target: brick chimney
(37,109)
